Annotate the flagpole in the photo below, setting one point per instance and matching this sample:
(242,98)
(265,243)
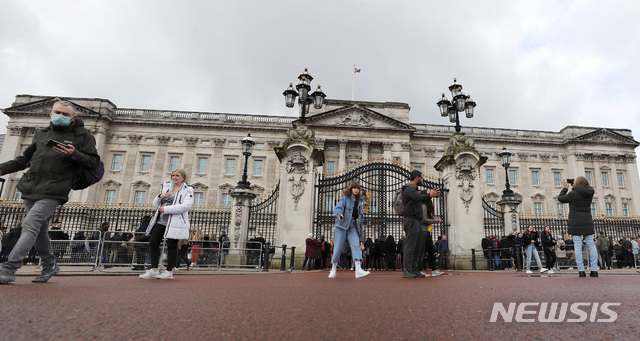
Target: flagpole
(353,91)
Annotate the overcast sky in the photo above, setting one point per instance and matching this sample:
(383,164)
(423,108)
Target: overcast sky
(539,65)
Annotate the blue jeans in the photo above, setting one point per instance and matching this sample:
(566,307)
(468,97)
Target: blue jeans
(593,252)
(531,248)
(35,227)
(339,235)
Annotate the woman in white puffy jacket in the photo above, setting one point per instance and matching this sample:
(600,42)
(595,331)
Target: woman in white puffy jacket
(171,222)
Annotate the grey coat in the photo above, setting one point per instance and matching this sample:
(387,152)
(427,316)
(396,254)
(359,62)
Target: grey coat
(580,221)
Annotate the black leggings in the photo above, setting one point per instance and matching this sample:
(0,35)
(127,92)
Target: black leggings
(550,257)
(157,234)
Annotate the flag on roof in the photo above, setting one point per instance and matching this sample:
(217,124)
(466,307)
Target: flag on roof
(356,69)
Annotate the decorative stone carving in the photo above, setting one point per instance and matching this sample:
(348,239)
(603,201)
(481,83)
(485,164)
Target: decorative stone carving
(239,209)
(545,157)
(514,219)
(429,151)
(358,119)
(342,144)
(297,166)
(134,138)
(320,143)
(18,131)
(406,147)
(164,139)
(387,145)
(465,174)
(218,142)
(273,144)
(458,141)
(191,141)
(296,188)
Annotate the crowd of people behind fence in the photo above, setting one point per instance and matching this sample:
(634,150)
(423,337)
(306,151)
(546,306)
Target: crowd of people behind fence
(501,252)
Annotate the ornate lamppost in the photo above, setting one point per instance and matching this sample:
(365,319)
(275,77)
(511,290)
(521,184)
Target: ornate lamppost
(304,98)
(247,148)
(460,102)
(505,157)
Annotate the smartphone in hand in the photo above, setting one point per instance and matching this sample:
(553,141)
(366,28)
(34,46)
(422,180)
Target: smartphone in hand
(52,143)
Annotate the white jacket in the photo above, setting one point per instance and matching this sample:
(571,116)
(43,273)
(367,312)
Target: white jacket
(178,223)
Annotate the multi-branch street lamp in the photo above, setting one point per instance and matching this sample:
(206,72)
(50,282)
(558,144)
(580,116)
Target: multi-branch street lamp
(304,98)
(460,102)
(247,148)
(505,157)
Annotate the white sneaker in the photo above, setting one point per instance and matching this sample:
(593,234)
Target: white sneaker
(551,271)
(436,273)
(361,273)
(529,272)
(150,274)
(332,274)
(165,275)
(543,270)
(425,274)
(569,268)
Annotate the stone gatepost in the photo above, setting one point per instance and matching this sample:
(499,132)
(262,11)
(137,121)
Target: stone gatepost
(510,207)
(460,167)
(239,226)
(298,160)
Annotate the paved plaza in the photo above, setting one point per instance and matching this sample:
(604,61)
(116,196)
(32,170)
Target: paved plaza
(308,306)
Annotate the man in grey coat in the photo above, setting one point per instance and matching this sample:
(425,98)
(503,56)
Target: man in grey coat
(52,160)
(412,199)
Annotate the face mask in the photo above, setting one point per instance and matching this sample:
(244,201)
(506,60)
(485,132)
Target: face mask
(170,186)
(60,120)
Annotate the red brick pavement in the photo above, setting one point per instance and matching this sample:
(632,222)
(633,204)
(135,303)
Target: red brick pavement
(306,306)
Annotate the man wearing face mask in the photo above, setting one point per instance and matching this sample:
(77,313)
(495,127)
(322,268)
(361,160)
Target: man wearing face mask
(52,160)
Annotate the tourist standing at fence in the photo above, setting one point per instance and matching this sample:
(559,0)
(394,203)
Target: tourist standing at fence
(58,239)
(349,216)
(635,249)
(530,241)
(412,200)
(309,251)
(196,246)
(390,253)
(52,160)
(428,253)
(580,223)
(443,253)
(549,246)
(603,244)
(170,221)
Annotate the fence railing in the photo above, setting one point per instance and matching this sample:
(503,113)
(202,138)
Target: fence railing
(128,252)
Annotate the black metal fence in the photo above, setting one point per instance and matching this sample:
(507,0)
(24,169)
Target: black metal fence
(493,220)
(121,216)
(614,227)
(263,217)
(379,179)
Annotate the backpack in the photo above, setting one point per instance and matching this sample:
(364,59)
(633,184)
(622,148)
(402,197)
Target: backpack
(398,207)
(86,177)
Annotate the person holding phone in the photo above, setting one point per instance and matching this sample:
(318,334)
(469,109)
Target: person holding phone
(349,217)
(170,222)
(580,223)
(47,184)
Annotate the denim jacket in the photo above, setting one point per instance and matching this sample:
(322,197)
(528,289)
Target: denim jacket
(345,208)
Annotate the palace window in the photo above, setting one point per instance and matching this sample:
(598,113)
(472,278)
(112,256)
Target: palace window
(620,180)
(116,164)
(557,181)
(145,163)
(535,178)
(203,162)
(174,163)
(257,167)
(230,168)
(489,176)
(110,196)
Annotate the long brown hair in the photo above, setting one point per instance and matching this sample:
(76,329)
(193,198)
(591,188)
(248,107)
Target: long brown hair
(581,181)
(352,186)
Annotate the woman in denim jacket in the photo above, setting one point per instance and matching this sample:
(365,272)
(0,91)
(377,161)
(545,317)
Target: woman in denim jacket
(349,218)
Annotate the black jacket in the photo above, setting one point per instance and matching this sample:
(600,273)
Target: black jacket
(51,175)
(530,238)
(413,209)
(580,221)
(547,240)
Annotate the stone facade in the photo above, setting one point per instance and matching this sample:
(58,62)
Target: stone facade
(139,147)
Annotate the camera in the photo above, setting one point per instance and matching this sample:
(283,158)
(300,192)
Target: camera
(570,181)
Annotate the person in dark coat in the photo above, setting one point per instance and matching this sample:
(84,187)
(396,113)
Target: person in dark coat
(505,253)
(10,239)
(530,241)
(549,247)
(627,254)
(309,252)
(580,223)
(317,255)
(443,252)
(390,253)
(486,244)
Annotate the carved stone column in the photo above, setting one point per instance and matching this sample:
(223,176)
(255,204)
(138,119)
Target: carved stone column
(388,150)
(365,149)
(460,167)
(298,159)
(342,161)
(511,209)
(240,216)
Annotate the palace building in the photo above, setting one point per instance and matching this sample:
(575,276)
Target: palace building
(140,147)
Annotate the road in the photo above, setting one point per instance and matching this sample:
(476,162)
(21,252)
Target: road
(308,306)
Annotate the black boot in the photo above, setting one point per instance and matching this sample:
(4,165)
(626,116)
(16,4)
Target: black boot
(593,274)
(582,274)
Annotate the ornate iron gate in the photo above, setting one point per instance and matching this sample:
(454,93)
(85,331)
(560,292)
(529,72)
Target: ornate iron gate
(263,217)
(379,181)
(493,220)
